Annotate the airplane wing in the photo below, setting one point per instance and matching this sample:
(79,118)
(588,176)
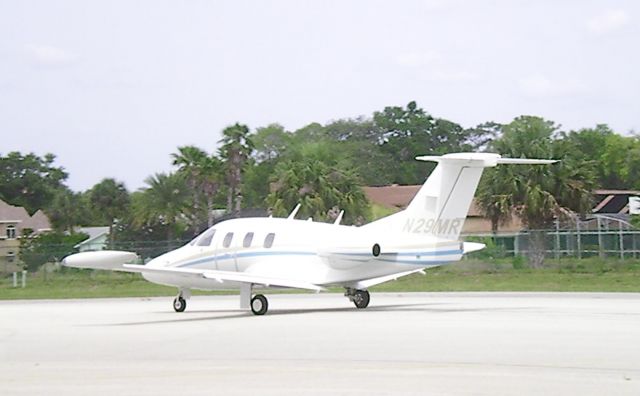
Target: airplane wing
(118,261)
(222,276)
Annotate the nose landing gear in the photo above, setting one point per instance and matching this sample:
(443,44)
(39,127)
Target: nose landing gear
(180,302)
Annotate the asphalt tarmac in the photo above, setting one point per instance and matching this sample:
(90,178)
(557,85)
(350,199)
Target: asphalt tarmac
(414,343)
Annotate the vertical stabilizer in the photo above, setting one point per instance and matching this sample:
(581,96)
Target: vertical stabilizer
(441,205)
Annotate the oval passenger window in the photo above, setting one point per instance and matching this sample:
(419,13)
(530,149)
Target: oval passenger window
(268,240)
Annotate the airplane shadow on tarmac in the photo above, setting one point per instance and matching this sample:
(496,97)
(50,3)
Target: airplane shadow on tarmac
(228,314)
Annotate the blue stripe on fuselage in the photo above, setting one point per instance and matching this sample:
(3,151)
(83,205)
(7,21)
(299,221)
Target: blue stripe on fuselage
(384,256)
(429,253)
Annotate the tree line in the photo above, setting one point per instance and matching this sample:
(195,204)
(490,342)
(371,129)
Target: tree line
(323,167)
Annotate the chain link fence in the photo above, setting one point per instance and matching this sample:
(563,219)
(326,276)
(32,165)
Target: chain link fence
(560,243)
(621,244)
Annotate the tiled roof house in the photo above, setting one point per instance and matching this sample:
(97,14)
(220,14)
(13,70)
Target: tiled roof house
(14,220)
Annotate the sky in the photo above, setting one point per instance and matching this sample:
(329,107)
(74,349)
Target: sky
(112,88)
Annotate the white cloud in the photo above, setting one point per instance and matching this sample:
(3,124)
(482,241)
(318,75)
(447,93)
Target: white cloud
(432,5)
(450,76)
(46,55)
(432,66)
(418,59)
(538,85)
(608,21)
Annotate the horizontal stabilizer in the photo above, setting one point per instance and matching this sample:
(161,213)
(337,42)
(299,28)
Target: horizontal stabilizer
(484,160)
(525,161)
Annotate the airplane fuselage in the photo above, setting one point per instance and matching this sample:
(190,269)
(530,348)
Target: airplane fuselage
(320,253)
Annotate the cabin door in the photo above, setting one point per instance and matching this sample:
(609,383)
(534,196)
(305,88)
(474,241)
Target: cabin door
(227,248)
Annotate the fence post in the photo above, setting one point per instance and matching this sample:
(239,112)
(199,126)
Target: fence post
(621,236)
(601,252)
(579,241)
(557,242)
(15,279)
(24,279)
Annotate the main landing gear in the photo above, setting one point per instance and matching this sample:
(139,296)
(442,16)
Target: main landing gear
(360,298)
(180,302)
(259,304)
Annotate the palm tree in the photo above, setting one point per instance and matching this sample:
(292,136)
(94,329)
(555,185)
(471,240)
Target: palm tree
(313,178)
(65,210)
(203,174)
(110,201)
(235,151)
(539,195)
(494,196)
(162,203)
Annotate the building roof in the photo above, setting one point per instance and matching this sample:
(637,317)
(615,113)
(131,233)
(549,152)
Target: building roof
(12,213)
(398,197)
(392,197)
(616,192)
(613,201)
(17,214)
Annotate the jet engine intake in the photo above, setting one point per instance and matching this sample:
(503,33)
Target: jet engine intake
(375,250)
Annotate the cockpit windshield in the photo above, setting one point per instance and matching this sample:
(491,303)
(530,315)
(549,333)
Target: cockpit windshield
(204,239)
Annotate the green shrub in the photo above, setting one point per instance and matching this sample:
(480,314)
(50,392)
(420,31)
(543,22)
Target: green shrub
(518,262)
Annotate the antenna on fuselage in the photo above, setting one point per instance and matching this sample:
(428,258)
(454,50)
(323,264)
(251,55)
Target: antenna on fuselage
(294,212)
(339,218)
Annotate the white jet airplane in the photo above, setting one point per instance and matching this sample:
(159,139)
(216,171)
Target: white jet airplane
(253,253)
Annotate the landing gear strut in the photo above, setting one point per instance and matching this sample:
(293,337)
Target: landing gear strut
(360,298)
(259,304)
(180,302)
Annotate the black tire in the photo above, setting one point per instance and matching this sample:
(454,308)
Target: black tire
(259,304)
(361,299)
(179,304)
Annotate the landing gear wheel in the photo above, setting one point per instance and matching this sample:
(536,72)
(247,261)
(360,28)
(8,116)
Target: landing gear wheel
(361,299)
(259,304)
(179,304)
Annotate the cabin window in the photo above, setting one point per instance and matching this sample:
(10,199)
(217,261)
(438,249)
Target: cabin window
(11,232)
(268,240)
(247,240)
(227,239)
(205,239)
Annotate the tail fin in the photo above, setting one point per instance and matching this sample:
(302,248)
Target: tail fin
(441,205)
